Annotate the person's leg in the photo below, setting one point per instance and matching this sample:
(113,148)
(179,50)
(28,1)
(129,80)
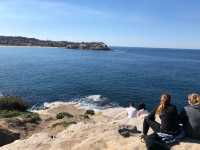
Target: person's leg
(153,142)
(152,124)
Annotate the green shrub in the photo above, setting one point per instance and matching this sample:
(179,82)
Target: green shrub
(61,115)
(13,103)
(31,117)
(28,116)
(9,113)
(90,112)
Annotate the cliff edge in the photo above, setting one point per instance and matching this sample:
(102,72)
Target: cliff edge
(78,129)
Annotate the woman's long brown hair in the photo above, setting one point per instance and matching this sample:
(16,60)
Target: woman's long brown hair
(194,99)
(165,100)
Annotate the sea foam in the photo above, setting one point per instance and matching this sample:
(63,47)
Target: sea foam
(95,102)
(1,95)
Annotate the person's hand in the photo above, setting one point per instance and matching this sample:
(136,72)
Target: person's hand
(142,138)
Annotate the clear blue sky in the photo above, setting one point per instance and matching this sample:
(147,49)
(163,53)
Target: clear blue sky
(151,23)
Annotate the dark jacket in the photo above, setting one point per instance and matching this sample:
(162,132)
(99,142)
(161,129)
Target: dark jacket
(190,118)
(169,119)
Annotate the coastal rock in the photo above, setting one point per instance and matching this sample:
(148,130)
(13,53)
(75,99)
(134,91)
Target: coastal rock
(98,133)
(7,136)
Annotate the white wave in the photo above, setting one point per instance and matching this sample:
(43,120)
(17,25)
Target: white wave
(95,102)
(1,95)
(47,105)
(57,104)
(95,98)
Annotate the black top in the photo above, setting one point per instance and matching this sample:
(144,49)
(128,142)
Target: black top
(190,117)
(169,119)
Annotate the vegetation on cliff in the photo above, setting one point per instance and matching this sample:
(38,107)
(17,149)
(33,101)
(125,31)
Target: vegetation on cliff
(13,103)
(15,121)
(15,107)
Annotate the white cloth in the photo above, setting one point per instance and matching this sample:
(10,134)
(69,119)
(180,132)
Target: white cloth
(131,112)
(142,113)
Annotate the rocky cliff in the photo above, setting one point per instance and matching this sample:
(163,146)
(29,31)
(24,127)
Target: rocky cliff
(24,41)
(83,131)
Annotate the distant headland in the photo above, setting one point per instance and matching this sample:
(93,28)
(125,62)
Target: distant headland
(25,41)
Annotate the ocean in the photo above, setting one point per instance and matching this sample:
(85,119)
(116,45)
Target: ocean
(99,78)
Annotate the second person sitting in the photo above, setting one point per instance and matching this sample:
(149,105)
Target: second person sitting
(168,115)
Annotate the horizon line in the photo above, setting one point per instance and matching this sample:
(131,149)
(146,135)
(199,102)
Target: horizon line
(110,45)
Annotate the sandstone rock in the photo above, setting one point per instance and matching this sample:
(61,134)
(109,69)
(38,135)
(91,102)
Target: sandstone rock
(100,133)
(7,136)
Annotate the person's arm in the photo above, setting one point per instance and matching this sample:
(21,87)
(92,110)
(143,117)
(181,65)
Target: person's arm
(183,117)
(152,114)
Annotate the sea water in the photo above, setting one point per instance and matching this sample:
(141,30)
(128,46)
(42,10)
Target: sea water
(99,77)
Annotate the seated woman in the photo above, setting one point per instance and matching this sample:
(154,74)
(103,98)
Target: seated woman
(131,111)
(142,112)
(190,116)
(168,115)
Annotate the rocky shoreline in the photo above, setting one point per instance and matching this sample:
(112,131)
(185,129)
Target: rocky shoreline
(32,42)
(68,126)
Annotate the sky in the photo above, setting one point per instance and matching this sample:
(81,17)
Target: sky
(137,23)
